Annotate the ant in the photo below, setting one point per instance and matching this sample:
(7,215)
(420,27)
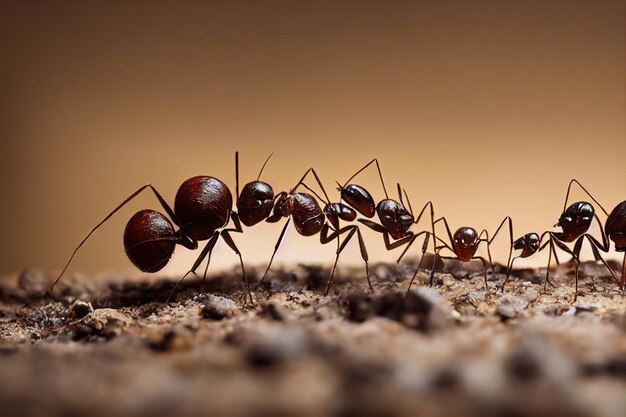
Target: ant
(395,218)
(464,244)
(202,210)
(575,221)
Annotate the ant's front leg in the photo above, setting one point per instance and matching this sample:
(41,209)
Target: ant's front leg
(389,245)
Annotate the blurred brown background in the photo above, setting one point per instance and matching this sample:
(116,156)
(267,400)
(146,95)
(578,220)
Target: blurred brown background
(486,107)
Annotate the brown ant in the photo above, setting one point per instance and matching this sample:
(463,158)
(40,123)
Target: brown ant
(464,244)
(202,210)
(395,218)
(575,221)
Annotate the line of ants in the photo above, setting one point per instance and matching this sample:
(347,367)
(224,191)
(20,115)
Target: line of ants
(203,211)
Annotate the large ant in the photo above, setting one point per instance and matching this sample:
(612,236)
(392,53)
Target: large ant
(464,244)
(202,210)
(575,221)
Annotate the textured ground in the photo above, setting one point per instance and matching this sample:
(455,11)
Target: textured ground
(112,347)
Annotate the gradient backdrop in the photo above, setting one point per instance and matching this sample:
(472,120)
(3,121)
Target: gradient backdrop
(486,107)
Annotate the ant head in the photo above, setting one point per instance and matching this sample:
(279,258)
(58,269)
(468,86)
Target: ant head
(576,220)
(358,198)
(465,243)
(529,244)
(149,240)
(616,226)
(202,205)
(255,202)
(394,217)
(336,211)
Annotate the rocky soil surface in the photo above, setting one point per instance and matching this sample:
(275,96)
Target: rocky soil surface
(113,347)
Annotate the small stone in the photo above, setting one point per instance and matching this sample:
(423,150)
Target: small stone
(81,308)
(217,308)
(511,306)
(531,294)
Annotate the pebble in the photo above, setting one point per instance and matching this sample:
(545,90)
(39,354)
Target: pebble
(511,306)
(81,309)
(216,308)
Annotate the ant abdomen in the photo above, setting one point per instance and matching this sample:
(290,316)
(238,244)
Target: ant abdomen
(307,214)
(255,202)
(149,240)
(202,205)
(359,198)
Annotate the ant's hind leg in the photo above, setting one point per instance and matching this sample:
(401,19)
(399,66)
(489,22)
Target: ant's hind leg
(231,243)
(276,246)
(205,251)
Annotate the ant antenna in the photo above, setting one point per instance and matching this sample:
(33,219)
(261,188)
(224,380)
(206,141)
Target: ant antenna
(314,193)
(380,174)
(574,180)
(237,175)
(406,196)
(263,167)
(317,178)
(400,193)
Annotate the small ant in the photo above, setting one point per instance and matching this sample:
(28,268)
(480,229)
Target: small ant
(575,221)
(464,244)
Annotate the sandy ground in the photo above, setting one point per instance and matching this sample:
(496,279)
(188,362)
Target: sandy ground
(113,347)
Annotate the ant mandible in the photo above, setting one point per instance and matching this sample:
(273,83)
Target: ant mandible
(575,221)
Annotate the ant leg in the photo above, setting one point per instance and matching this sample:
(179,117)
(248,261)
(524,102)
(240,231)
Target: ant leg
(623,282)
(280,239)
(380,174)
(236,222)
(206,250)
(596,254)
(484,262)
(424,247)
(575,181)
(380,229)
(508,273)
(231,243)
(510,237)
(339,250)
(164,204)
